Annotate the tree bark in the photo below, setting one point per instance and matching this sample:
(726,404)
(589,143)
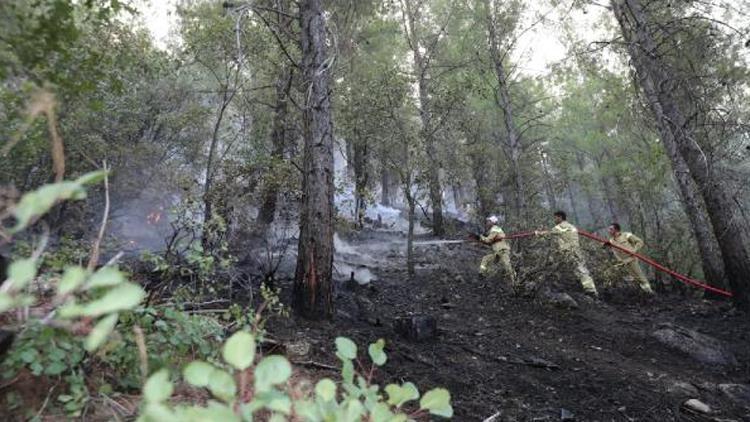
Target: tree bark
(278,142)
(679,141)
(313,287)
(361,179)
(513,144)
(421,67)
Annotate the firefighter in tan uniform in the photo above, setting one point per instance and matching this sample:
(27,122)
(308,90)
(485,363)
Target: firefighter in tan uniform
(566,236)
(632,243)
(500,251)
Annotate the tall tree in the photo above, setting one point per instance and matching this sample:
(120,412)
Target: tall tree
(313,285)
(641,32)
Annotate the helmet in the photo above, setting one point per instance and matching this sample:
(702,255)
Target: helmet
(492,219)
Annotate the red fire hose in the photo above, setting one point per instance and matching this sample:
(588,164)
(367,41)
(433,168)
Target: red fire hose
(656,265)
(643,258)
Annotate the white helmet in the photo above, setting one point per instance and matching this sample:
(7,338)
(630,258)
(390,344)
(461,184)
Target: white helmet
(492,219)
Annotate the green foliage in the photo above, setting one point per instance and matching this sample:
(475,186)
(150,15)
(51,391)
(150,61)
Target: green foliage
(43,350)
(352,401)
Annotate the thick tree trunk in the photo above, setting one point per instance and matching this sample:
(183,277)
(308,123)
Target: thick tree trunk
(677,136)
(278,141)
(313,287)
(513,144)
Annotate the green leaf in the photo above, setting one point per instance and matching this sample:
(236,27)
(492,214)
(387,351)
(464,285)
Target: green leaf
(347,371)
(438,402)
(381,413)
(325,390)
(123,297)
(239,350)
(377,355)
(158,412)
(20,273)
(222,385)
(100,332)
(106,277)
(70,310)
(158,387)
(39,202)
(6,302)
(398,395)
(213,412)
(307,410)
(345,349)
(198,373)
(275,401)
(271,371)
(71,279)
(91,177)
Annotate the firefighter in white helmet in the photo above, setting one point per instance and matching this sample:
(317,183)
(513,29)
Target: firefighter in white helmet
(500,255)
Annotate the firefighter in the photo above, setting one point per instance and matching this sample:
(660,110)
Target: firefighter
(500,251)
(632,243)
(569,250)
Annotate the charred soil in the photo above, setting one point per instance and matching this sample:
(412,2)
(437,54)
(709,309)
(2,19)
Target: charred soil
(527,359)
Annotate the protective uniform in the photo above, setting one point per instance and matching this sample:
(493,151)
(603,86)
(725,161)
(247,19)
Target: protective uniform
(566,236)
(500,254)
(632,243)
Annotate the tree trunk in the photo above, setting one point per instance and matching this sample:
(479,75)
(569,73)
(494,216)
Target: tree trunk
(207,198)
(313,287)
(412,203)
(278,141)
(385,187)
(361,179)
(678,139)
(502,99)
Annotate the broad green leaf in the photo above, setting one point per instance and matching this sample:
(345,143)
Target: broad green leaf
(277,418)
(222,385)
(20,273)
(271,371)
(123,297)
(381,413)
(71,279)
(100,332)
(400,394)
(213,412)
(105,277)
(438,402)
(275,401)
(377,355)
(158,387)
(39,202)
(307,410)
(198,373)
(239,350)
(70,310)
(345,348)
(353,410)
(6,302)
(158,412)
(325,389)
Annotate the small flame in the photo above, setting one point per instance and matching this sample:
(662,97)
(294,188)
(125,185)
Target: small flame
(153,217)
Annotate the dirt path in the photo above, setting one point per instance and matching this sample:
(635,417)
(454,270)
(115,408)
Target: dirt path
(529,360)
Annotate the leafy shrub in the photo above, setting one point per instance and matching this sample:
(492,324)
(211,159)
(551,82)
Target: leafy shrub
(355,399)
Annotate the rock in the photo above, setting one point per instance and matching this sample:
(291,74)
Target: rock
(698,406)
(560,300)
(298,350)
(416,327)
(699,346)
(738,393)
(683,389)
(566,415)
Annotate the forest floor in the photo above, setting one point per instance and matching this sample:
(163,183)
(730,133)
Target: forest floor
(524,359)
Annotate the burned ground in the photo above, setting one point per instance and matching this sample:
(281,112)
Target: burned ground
(524,359)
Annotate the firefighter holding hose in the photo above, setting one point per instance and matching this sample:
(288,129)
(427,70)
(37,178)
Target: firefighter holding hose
(500,251)
(633,243)
(569,250)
